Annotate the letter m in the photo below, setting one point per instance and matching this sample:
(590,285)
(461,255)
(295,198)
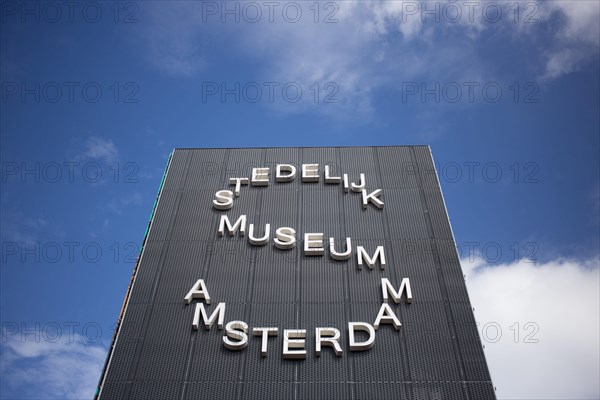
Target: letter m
(362,255)
(240,224)
(387,288)
(218,313)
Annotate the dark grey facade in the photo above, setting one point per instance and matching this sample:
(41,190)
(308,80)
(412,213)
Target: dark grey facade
(435,354)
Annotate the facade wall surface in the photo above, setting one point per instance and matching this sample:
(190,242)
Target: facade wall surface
(435,354)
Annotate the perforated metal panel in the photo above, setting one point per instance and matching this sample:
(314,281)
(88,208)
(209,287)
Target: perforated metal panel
(436,354)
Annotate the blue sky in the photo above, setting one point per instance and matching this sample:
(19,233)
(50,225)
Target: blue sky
(95,97)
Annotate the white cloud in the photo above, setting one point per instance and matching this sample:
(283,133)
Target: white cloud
(98,148)
(578,38)
(67,369)
(561,298)
(562,62)
(374,45)
(582,20)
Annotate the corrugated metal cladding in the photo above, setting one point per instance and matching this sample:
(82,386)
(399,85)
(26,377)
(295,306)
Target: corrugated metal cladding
(436,354)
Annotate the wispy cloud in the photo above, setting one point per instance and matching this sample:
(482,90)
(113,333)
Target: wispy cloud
(540,326)
(67,369)
(374,45)
(576,41)
(174,40)
(21,229)
(36,223)
(98,148)
(16,235)
(119,205)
